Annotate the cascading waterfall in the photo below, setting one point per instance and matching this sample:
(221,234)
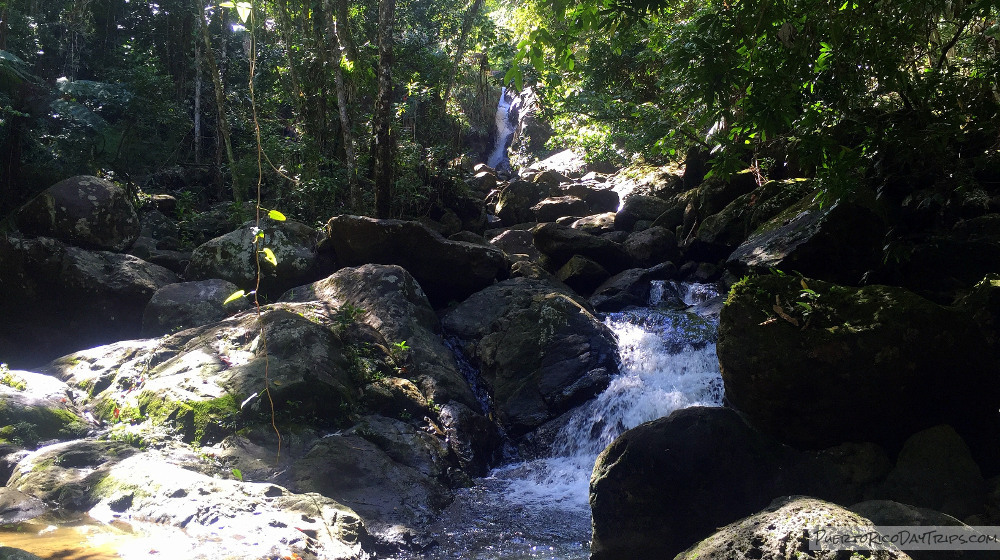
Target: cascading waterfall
(505,126)
(539,508)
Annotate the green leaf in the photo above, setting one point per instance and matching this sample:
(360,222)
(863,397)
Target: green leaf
(236,295)
(269,256)
(227,4)
(243,9)
(276,216)
(238,474)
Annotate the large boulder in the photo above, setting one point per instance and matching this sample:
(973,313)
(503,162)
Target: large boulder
(789,528)
(582,274)
(517,242)
(734,223)
(389,300)
(639,207)
(515,201)
(837,241)
(539,349)
(797,354)
(553,208)
(233,257)
(35,408)
(83,211)
(561,243)
(430,258)
(176,307)
(652,246)
(58,299)
(665,484)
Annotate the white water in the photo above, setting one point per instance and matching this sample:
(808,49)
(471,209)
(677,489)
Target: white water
(504,131)
(539,508)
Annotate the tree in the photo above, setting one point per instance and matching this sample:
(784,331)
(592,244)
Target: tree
(383,110)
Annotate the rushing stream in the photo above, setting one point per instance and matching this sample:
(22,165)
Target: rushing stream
(539,508)
(506,120)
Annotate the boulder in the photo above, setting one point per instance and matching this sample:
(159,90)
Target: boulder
(639,207)
(58,298)
(784,531)
(596,224)
(837,241)
(205,380)
(561,243)
(36,408)
(472,437)
(16,506)
(10,553)
(582,274)
(538,348)
(232,257)
(553,208)
(517,242)
(176,307)
(737,220)
(668,483)
(652,246)
(795,354)
(389,300)
(83,211)
(894,514)
(395,397)
(430,258)
(629,287)
(515,201)
(935,470)
(715,193)
(569,163)
(940,265)
(598,199)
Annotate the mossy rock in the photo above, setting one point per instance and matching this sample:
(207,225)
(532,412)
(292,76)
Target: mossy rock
(817,364)
(36,408)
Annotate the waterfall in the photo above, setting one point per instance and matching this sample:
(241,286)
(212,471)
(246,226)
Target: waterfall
(505,126)
(539,508)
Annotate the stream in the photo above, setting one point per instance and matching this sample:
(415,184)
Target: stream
(539,509)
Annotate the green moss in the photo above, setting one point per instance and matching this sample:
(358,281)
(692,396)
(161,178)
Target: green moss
(194,418)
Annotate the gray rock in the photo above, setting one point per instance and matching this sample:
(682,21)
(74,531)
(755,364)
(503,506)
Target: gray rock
(176,307)
(35,408)
(16,506)
(582,274)
(473,438)
(517,242)
(561,243)
(430,258)
(10,553)
(596,224)
(895,514)
(539,349)
(629,287)
(639,207)
(83,211)
(515,200)
(232,257)
(553,208)
(782,531)
(652,246)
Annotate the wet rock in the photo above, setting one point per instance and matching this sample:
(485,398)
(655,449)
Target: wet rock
(783,531)
(837,242)
(59,298)
(629,287)
(539,349)
(582,274)
(935,470)
(473,438)
(652,246)
(176,307)
(596,224)
(232,257)
(35,408)
(639,207)
(665,484)
(553,208)
(395,397)
(738,219)
(561,243)
(16,506)
(10,553)
(83,211)
(878,351)
(430,258)
(388,299)
(517,242)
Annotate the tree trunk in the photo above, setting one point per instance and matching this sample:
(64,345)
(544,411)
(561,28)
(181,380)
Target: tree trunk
(383,110)
(220,105)
(197,103)
(470,18)
(340,35)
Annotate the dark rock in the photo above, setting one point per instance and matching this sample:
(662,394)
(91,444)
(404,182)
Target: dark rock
(515,201)
(468,237)
(83,211)
(935,470)
(615,236)
(164,203)
(894,514)
(596,224)
(639,207)
(665,484)
(517,242)
(652,246)
(582,274)
(553,208)
(233,257)
(538,348)
(484,181)
(183,305)
(878,351)
(430,258)
(837,242)
(734,223)
(390,301)
(561,243)
(715,193)
(157,225)
(394,397)
(473,438)
(10,553)
(629,287)
(58,298)
(783,530)
(598,199)
(682,212)
(16,506)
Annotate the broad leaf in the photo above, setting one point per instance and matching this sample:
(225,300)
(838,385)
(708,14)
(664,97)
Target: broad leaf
(236,295)
(276,216)
(269,256)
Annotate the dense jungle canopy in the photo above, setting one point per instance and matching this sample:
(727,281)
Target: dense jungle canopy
(878,97)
